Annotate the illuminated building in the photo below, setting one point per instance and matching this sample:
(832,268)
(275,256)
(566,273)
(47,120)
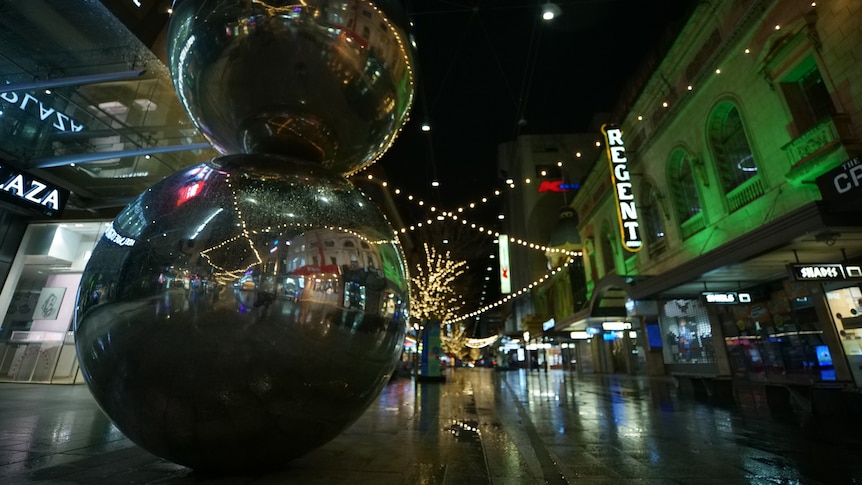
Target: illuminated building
(743,151)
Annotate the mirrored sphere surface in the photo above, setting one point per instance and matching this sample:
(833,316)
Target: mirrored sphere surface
(242,312)
(328,81)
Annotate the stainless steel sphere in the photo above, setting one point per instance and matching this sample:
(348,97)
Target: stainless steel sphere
(328,81)
(242,312)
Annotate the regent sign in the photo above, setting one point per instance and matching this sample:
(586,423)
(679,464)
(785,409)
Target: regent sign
(621,180)
(28,191)
(28,103)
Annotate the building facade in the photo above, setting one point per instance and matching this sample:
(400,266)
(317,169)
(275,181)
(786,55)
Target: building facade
(724,224)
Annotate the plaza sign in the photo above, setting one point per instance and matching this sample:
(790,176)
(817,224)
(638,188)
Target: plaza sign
(621,180)
(30,104)
(27,191)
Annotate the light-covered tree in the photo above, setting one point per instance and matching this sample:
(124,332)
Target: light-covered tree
(454,340)
(432,295)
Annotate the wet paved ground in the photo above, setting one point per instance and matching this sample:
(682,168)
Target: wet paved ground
(480,427)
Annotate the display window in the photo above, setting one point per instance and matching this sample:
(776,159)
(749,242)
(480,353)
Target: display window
(687,332)
(39,297)
(845,306)
(776,337)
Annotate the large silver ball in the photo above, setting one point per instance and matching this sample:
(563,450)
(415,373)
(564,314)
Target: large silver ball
(329,81)
(242,312)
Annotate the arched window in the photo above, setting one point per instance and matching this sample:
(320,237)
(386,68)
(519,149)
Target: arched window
(733,156)
(684,193)
(608,253)
(653,220)
(686,201)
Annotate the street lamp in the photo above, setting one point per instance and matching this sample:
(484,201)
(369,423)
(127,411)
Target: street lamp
(550,11)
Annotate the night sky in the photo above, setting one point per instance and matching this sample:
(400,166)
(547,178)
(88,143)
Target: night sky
(483,65)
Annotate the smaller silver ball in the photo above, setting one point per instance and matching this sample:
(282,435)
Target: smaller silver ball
(324,81)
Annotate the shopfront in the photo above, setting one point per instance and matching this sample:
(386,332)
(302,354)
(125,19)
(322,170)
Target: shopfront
(38,301)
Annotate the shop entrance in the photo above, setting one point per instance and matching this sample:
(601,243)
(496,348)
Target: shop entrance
(38,303)
(845,306)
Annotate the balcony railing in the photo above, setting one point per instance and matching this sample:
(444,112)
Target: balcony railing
(808,151)
(745,193)
(692,225)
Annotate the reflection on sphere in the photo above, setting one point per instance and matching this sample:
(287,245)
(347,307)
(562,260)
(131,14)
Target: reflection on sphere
(222,324)
(322,80)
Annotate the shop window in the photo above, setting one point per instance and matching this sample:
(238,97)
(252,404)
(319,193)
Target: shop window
(845,306)
(36,341)
(729,143)
(776,338)
(807,97)
(687,333)
(651,211)
(684,187)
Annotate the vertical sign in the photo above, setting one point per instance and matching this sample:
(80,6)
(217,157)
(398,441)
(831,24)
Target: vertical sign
(505,275)
(621,180)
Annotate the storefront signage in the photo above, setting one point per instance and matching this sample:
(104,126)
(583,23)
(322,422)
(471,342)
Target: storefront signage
(557,186)
(27,191)
(30,104)
(843,182)
(611,326)
(726,297)
(826,272)
(621,180)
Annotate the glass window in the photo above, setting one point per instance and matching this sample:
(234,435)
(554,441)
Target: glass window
(729,143)
(807,97)
(36,342)
(608,253)
(686,201)
(776,338)
(845,305)
(651,210)
(687,333)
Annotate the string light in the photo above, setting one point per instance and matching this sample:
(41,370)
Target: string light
(523,291)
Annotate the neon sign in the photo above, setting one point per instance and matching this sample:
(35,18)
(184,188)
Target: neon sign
(621,179)
(557,186)
(826,271)
(726,297)
(61,121)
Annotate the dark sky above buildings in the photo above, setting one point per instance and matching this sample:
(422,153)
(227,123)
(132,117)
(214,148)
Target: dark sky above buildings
(485,65)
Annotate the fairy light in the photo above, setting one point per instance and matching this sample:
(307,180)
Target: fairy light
(511,296)
(432,295)
(489,232)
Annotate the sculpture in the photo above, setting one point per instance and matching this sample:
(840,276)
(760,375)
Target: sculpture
(241,312)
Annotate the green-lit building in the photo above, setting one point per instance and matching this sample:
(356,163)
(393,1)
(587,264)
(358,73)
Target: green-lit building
(724,225)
